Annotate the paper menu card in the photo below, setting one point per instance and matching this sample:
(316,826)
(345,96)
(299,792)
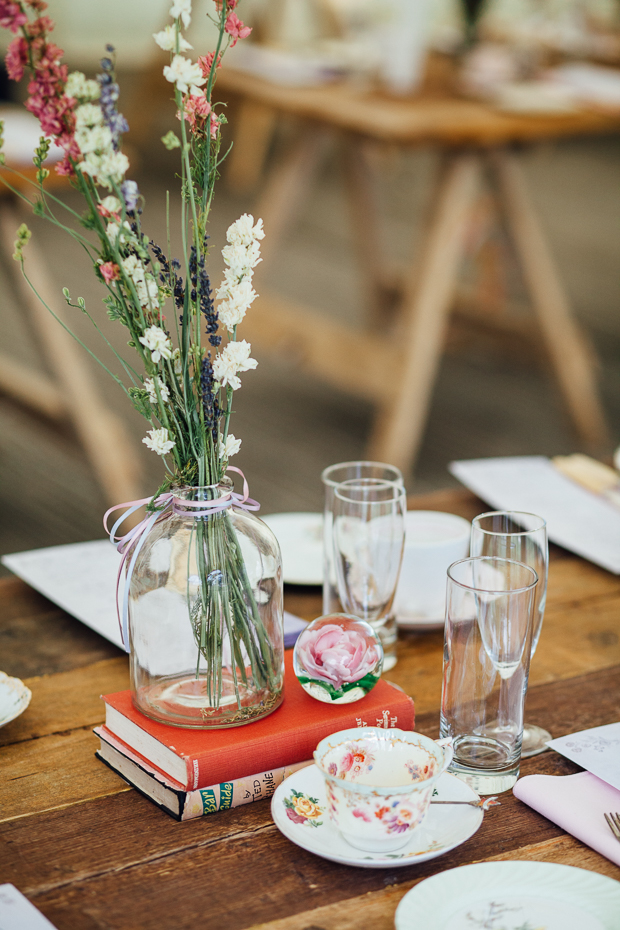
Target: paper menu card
(81,578)
(17,913)
(596,750)
(577,519)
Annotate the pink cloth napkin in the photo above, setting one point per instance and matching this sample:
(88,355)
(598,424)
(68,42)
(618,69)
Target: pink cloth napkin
(577,804)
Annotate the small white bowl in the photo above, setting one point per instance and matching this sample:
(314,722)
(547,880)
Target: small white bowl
(379,783)
(14,698)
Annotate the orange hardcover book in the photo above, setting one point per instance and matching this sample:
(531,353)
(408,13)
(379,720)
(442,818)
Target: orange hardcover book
(197,758)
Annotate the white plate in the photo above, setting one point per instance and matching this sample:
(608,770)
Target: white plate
(512,895)
(443,829)
(301,540)
(14,698)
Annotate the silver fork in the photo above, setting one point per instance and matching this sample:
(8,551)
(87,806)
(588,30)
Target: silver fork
(613,822)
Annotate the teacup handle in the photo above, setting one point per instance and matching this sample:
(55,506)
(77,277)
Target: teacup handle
(447,745)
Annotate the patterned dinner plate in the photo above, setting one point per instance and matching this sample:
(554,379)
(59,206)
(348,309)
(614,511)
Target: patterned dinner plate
(14,698)
(299,809)
(512,896)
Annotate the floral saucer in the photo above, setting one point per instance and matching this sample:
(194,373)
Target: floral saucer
(299,810)
(14,698)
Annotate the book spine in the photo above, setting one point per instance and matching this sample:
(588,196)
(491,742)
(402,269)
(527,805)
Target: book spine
(234,793)
(400,713)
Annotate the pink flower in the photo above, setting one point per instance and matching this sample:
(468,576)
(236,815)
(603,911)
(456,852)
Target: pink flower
(235,28)
(196,109)
(335,655)
(205,63)
(38,27)
(363,815)
(11,16)
(346,762)
(107,214)
(214,125)
(16,58)
(294,816)
(109,272)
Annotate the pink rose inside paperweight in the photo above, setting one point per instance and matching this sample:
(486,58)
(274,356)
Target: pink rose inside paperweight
(338,659)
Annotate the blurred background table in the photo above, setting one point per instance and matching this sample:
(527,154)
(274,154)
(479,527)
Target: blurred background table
(409,317)
(92,853)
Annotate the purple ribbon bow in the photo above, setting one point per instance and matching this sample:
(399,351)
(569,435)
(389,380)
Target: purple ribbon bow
(167,504)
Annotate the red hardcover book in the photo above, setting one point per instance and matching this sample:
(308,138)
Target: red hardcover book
(197,758)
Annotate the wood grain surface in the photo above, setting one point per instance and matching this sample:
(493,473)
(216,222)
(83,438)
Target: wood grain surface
(92,853)
(438,117)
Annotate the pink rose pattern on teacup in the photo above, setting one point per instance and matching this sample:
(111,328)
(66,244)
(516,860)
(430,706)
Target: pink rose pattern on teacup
(335,655)
(356,760)
(388,815)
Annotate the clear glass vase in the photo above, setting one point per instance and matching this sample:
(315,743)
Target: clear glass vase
(205,617)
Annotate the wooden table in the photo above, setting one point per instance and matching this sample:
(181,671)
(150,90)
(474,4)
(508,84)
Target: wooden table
(478,144)
(92,853)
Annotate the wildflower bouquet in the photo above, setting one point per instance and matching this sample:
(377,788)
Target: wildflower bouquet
(184,389)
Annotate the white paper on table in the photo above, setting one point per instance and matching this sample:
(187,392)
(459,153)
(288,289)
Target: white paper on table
(597,750)
(81,578)
(577,519)
(17,913)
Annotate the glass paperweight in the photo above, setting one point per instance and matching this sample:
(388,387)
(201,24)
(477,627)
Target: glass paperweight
(338,659)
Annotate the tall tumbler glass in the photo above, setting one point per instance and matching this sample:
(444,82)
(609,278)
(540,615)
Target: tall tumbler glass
(368,543)
(489,612)
(522,537)
(331,478)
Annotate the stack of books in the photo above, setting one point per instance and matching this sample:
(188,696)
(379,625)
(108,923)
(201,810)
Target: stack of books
(189,773)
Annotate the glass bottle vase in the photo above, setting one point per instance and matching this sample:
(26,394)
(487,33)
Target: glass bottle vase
(205,617)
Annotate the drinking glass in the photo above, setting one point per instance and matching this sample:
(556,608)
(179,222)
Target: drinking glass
(331,478)
(522,537)
(489,612)
(368,542)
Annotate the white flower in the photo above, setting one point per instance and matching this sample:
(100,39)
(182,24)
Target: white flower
(149,384)
(116,234)
(177,362)
(145,284)
(79,86)
(234,358)
(241,259)
(238,298)
(132,266)
(94,139)
(147,291)
(231,447)
(185,74)
(113,168)
(111,204)
(89,114)
(167,39)
(243,231)
(157,342)
(157,440)
(106,169)
(182,8)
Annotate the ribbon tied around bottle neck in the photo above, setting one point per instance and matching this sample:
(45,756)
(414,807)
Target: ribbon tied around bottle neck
(165,505)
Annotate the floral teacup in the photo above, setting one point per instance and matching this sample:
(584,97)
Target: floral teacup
(379,783)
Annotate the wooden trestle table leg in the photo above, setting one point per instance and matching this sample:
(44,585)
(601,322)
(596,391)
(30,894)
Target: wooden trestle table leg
(400,421)
(569,354)
(285,189)
(100,432)
(361,185)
